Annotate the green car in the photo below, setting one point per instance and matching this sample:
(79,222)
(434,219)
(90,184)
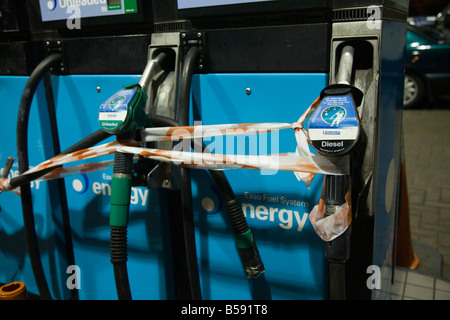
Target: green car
(427,66)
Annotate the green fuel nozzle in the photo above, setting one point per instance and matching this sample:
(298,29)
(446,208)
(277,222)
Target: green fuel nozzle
(123,114)
(125,110)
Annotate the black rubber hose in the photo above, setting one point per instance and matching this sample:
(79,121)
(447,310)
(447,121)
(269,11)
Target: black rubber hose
(119,257)
(248,252)
(118,243)
(337,251)
(22,159)
(184,93)
(246,245)
(231,203)
(162,121)
(67,229)
(23,181)
(237,219)
(186,275)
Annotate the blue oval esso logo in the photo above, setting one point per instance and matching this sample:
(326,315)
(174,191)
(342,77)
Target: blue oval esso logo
(81,185)
(51,5)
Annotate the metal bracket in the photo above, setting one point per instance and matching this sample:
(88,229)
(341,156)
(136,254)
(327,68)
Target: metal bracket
(196,38)
(154,174)
(57,47)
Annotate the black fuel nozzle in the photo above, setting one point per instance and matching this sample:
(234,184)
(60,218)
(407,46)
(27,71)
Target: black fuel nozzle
(333,128)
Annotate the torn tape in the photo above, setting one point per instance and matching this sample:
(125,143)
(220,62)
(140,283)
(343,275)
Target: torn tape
(83,154)
(205,160)
(61,172)
(203,131)
(303,163)
(302,149)
(4,184)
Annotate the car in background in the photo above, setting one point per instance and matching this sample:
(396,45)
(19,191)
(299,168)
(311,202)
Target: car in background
(427,64)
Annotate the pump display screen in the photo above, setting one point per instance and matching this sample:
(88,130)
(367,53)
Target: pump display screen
(202,8)
(185,4)
(54,10)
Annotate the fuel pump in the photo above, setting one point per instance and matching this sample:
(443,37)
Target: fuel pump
(123,114)
(239,57)
(333,131)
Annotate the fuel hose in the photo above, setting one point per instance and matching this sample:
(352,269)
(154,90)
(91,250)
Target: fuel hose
(120,203)
(186,275)
(245,243)
(23,181)
(22,159)
(337,251)
(62,194)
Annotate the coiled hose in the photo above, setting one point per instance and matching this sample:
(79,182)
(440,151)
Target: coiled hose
(23,181)
(22,159)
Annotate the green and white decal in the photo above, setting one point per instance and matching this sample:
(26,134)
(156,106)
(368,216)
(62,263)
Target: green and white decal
(124,111)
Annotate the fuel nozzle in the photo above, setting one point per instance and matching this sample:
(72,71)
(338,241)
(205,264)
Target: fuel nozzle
(334,126)
(122,115)
(333,131)
(125,110)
